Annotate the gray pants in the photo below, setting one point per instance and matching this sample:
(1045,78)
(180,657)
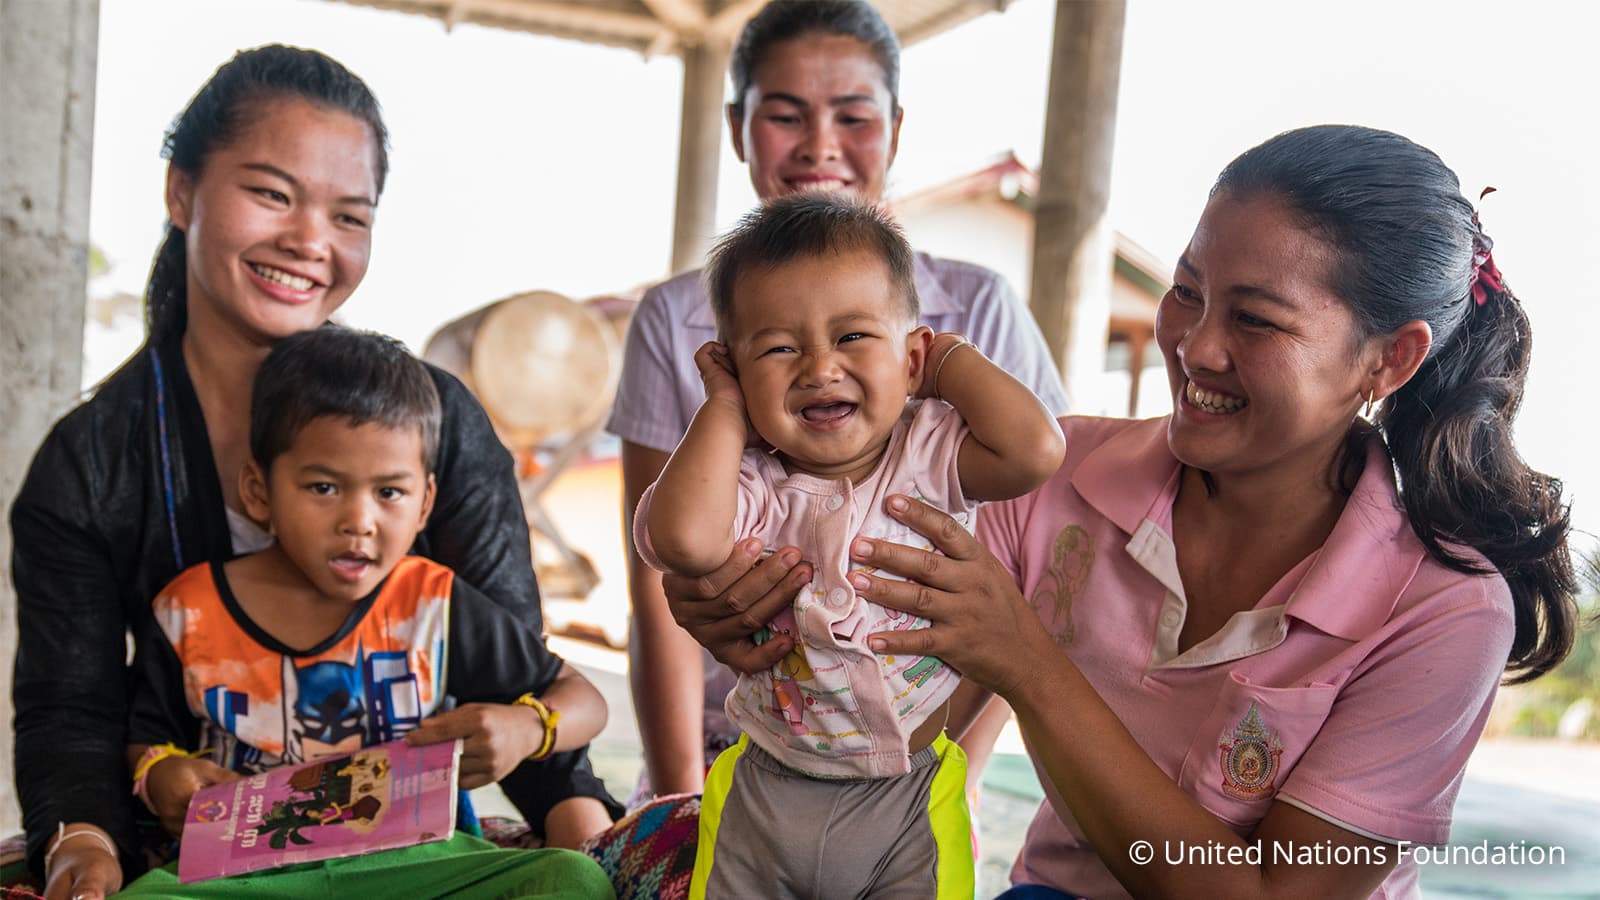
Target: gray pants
(769,831)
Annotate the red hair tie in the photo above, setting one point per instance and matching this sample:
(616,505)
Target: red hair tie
(1486,275)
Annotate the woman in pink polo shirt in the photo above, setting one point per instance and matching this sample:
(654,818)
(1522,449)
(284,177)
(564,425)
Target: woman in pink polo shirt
(1246,662)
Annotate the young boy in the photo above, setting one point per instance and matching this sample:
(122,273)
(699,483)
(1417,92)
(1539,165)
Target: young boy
(842,782)
(333,638)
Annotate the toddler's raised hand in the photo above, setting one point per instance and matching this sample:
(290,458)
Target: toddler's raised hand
(722,386)
(716,370)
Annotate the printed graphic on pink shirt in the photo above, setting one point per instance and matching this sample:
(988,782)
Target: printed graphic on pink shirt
(1250,760)
(1071,558)
(788,701)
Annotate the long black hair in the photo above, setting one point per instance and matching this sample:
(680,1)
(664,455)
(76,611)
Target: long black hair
(786,20)
(225,106)
(1409,247)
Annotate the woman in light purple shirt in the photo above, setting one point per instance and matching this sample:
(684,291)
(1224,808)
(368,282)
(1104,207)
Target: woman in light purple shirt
(815,108)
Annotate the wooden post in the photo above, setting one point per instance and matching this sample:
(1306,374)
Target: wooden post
(1136,347)
(705,68)
(48,52)
(1072,248)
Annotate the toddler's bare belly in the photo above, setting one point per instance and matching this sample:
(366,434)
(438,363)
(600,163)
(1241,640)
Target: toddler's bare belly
(930,729)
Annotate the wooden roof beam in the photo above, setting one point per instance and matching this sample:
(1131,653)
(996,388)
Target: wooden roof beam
(726,24)
(686,17)
(663,44)
(644,28)
(955,14)
(539,16)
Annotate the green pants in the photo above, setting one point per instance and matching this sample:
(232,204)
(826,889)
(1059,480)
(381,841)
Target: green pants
(464,866)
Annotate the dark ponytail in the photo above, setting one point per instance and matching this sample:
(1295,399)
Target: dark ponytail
(165,300)
(1406,239)
(1450,425)
(225,106)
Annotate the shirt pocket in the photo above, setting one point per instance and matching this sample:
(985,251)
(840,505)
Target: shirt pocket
(1247,745)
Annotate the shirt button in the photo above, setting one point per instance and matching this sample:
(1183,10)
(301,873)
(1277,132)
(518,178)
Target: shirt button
(838,597)
(834,502)
(1169,619)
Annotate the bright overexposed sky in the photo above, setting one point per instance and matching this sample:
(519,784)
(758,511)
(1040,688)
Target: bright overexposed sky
(523,162)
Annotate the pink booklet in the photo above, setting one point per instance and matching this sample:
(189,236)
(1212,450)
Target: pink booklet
(377,798)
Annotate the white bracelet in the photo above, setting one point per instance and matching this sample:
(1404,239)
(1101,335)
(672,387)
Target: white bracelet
(940,367)
(62,834)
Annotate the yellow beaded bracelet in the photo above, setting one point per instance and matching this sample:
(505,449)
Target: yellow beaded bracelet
(154,754)
(549,717)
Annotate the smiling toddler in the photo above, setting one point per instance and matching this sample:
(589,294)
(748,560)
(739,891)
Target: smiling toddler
(824,397)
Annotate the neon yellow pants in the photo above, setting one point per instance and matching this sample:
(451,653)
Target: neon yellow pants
(769,831)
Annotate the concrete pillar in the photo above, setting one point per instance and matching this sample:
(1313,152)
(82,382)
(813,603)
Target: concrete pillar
(1072,247)
(705,68)
(47,69)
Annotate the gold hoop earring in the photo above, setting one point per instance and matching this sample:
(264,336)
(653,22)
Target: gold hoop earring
(1366,412)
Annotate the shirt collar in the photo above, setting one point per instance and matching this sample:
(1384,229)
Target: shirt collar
(1354,584)
(699,313)
(933,299)
(1368,560)
(1123,477)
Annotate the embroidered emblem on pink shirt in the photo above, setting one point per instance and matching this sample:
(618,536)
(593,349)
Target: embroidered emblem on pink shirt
(1071,558)
(1250,760)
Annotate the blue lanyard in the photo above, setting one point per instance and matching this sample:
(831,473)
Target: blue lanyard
(166,458)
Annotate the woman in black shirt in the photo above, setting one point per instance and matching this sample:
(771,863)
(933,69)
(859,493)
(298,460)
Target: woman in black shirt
(276,169)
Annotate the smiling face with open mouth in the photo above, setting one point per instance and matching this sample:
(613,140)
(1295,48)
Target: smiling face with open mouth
(1264,360)
(826,353)
(277,223)
(346,503)
(817,117)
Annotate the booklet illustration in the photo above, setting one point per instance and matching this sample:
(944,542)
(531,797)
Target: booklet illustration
(376,798)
